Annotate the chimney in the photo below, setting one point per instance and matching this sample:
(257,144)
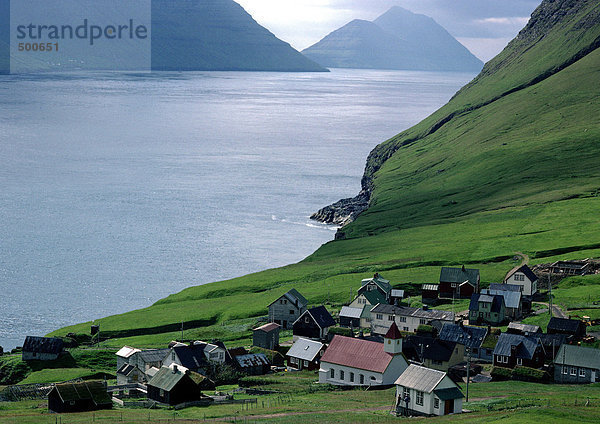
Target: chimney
(174,369)
(376,275)
(463,268)
(461,323)
(425,307)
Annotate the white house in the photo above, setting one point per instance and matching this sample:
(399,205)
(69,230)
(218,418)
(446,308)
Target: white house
(423,391)
(356,362)
(406,318)
(124,354)
(524,278)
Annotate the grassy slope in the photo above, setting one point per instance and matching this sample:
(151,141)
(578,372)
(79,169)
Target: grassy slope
(519,174)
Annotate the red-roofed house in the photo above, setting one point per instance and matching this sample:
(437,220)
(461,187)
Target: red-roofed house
(357,362)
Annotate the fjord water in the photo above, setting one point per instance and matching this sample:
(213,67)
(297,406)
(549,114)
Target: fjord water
(118,189)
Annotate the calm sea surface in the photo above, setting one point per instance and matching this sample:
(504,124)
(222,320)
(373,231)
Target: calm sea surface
(119,189)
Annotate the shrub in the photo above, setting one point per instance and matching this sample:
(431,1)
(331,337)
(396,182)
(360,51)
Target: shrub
(530,374)
(13,370)
(425,329)
(501,373)
(341,331)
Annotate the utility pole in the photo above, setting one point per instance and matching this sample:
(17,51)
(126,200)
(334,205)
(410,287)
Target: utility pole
(550,295)
(468,370)
(182,331)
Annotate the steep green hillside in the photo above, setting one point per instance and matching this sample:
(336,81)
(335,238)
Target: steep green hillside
(509,165)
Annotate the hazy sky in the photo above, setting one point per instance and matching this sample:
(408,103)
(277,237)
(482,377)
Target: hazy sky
(484,26)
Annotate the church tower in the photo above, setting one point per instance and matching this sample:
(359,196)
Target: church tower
(392,341)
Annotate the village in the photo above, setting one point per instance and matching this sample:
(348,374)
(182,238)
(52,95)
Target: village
(377,341)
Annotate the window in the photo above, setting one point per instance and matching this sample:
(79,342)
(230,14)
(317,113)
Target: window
(422,321)
(519,361)
(361,379)
(341,374)
(519,277)
(351,377)
(173,356)
(379,316)
(162,393)
(405,392)
(306,363)
(581,372)
(573,370)
(390,317)
(405,328)
(419,400)
(565,370)
(454,285)
(293,360)
(306,319)
(402,319)
(291,312)
(436,403)
(332,373)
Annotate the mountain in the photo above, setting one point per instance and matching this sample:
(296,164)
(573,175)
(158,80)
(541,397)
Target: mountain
(398,39)
(509,166)
(211,35)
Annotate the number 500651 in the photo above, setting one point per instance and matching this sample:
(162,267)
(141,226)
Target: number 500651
(38,47)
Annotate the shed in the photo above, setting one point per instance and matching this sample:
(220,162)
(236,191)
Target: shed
(172,386)
(314,323)
(520,328)
(305,354)
(42,348)
(79,397)
(253,363)
(396,296)
(350,317)
(430,293)
(573,328)
(266,336)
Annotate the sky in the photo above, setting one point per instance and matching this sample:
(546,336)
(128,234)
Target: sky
(483,26)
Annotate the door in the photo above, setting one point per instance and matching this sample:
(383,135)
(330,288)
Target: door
(285,324)
(449,407)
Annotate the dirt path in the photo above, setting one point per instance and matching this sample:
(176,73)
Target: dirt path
(556,311)
(291,414)
(525,261)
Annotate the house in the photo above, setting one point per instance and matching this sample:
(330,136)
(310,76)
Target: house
(514,349)
(124,354)
(366,301)
(396,296)
(435,353)
(458,282)
(487,309)
(305,354)
(570,267)
(424,391)
(572,328)
(150,358)
(512,301)
(377,283)
(430,293)
(470,337)
(350,317)
(129,374)
(407,318)
(173,385)
(520,328)
(79,397)
(314,323)
(191,357)
(357,362)
(253,363)
(577,365)
(524,278)
(266,336)
(42,348)
(287,308)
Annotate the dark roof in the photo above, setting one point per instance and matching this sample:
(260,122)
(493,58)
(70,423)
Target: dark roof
(191,357)
(294,297)
(457,275)
(468,336)
(87,390)
(52,345)
(393,332)
(550,341)
(267,328)
(252,360)
(429,348)
(153,355)
(449,394)
(495,300)
(565,325)
(125,369)
(528,273)
(414,312)
(506,287)
(381,282)
(374,297)
(167,378)
(577,356)
(321,316)
(525,345)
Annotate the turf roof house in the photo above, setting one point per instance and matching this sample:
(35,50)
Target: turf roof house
(407,318)
(525,279)
(423,391)
(470,337)
(514,349)
(79,397)
(174,385)
(252,363)
(266,336)
(313,324)
(357,362)
(487,309)
(458,282)
(305,354)
(577,365)
(287,308)
(42,348)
